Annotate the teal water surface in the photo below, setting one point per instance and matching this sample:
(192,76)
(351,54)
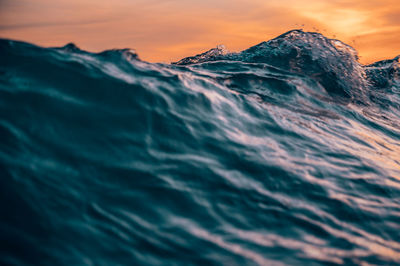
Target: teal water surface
(287,153)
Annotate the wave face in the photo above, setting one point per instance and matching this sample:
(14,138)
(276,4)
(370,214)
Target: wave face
(285,153)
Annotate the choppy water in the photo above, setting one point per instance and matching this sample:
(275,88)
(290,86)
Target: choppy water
(285,153)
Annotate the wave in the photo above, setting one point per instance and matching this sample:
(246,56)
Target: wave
(285,153)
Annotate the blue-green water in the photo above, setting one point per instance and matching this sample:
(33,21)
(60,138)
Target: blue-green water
(285,153)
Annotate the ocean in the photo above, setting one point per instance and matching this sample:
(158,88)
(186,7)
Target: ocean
(287,153)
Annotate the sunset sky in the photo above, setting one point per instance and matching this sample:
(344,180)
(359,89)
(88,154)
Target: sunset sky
(167,30)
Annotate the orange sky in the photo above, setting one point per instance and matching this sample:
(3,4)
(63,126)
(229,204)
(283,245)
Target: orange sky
(168,30)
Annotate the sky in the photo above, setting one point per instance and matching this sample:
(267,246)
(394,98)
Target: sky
(168,30)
